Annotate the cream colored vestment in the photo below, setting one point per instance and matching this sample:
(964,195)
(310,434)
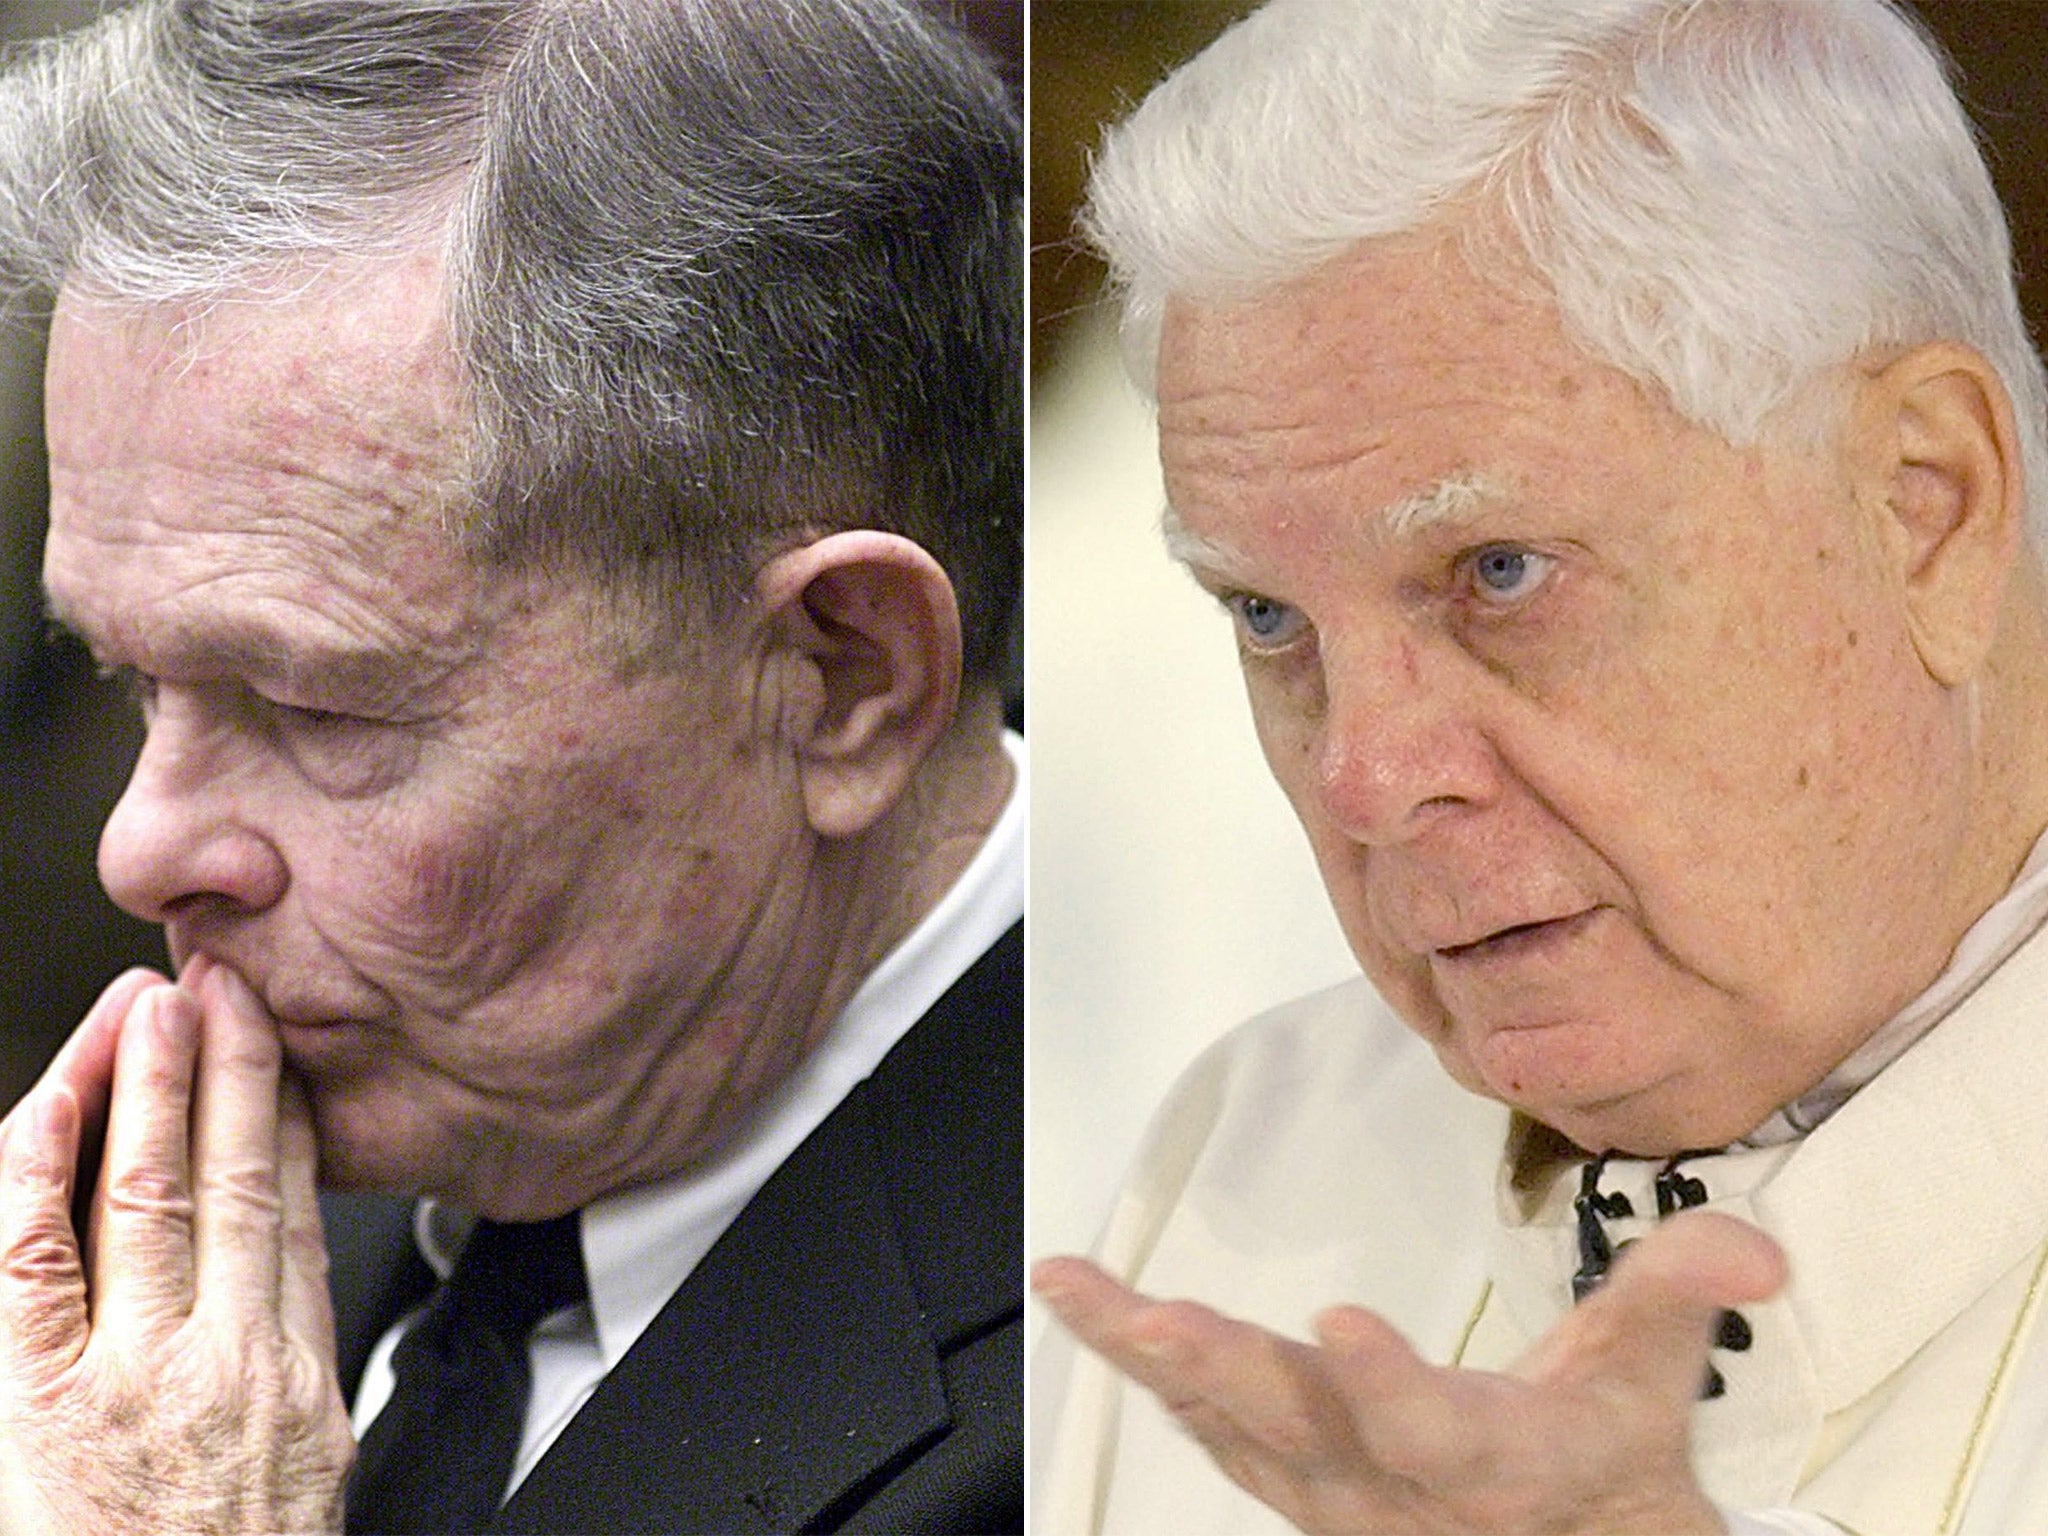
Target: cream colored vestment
(1320,1154)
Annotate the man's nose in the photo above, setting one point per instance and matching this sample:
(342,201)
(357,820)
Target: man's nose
(180,834)
(1400,746)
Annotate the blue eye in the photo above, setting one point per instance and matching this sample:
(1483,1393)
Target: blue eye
(1505,573)
(1265,624)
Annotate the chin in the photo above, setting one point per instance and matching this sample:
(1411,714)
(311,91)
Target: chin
(341,1169)
(1649,1123)
(364,1148)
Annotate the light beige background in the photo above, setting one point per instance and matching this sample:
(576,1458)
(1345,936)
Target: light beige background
(1172,893)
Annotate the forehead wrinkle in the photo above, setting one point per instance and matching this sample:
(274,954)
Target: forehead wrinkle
(392,483)
(247,650)
(373,418)
(299,472)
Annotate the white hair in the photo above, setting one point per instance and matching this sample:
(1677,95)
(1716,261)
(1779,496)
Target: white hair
(1728,199)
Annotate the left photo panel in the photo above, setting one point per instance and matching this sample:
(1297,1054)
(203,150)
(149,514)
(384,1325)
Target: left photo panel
(511,663)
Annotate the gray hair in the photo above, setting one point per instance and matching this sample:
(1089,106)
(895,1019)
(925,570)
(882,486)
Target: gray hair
(723,274)
(1728,199)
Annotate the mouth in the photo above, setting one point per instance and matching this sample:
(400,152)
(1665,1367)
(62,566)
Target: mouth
(308,1025)
(1515,940)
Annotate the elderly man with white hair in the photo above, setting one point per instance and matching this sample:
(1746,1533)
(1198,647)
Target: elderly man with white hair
(1610,427)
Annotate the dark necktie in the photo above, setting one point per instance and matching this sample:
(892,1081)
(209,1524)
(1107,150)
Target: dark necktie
(438,1457)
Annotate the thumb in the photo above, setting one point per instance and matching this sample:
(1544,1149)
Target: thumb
(1651,1326)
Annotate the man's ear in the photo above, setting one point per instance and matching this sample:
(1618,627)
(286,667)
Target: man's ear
(1935,454)
(868,628)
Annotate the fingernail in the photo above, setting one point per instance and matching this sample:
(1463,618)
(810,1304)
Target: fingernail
(236,993)
(174,1015)
(56,1115)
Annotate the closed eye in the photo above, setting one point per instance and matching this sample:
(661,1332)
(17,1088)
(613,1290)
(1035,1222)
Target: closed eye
(315,719)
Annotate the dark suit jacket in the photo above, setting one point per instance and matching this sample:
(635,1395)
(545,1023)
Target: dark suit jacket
(849,1356)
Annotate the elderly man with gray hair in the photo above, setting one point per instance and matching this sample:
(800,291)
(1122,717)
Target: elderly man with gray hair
(1610,429)
(550,473)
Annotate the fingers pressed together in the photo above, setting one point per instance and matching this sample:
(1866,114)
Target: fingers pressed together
(166,1343)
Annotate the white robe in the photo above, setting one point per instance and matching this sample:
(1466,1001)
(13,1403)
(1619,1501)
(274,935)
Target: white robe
(1900,1385)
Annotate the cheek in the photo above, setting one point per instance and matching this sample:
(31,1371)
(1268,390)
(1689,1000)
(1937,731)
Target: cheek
(1401,977)
(445,906)
(1837,754)
(450,880)
(476,868)
(1811,764)
(1285,719)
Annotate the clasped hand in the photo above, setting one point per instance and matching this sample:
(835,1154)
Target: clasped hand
(170,1368)
(1355,1433)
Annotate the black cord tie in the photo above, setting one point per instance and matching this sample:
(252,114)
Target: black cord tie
(1680,1191)
(1675,1192)
(1596,1253)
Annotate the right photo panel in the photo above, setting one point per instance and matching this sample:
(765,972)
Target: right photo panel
(1538,659)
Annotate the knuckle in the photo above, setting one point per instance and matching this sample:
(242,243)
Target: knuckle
(1293,1434)
(44,1330)
(1177,1317)
(143,1189)
(250,1189)
(164,1076)
(1207,1424)
(246,1053)
(97,1403)
(305,1251)
(32,1166)
(1431,1442)
(264,1380)
(43,1255)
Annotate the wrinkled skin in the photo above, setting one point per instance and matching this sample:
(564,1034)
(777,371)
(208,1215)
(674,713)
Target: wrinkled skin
(1597,724)
(170,1369)
(513,904)
(483,895)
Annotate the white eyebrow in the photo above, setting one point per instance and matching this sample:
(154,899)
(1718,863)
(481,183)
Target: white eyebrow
(1453,499)
(1193,550)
